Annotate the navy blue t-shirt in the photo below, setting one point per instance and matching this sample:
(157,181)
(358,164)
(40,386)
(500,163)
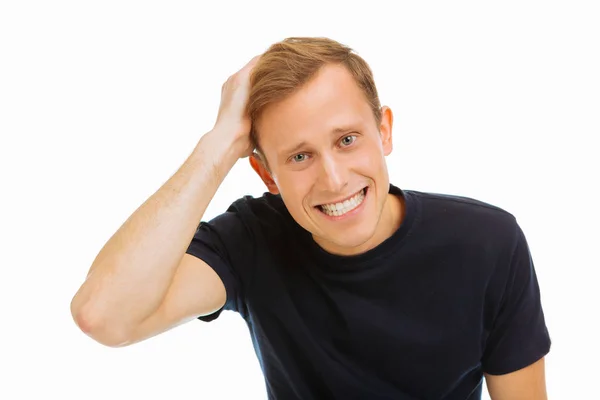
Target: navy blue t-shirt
(450,295)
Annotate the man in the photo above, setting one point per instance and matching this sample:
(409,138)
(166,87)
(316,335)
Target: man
(351,287)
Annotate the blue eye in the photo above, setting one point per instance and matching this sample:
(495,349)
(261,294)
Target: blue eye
(346,142)
(299,157)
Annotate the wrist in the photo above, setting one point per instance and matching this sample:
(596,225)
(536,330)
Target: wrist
(218,149)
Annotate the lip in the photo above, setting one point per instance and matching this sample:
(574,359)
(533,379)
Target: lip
(344,199)
(349,214)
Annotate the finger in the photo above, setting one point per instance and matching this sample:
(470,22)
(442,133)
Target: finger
(252,62)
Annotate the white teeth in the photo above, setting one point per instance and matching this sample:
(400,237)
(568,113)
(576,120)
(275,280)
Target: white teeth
(338,209)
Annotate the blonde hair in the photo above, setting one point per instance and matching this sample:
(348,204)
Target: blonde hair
(289,64)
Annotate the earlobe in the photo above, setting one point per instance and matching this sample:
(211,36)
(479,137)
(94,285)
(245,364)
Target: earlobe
(259,167)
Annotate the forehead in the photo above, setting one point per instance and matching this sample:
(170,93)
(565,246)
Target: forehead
(331,100)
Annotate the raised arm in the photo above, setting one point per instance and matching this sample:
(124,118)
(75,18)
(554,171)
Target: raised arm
(142,283)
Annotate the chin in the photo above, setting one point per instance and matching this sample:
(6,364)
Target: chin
(349,240)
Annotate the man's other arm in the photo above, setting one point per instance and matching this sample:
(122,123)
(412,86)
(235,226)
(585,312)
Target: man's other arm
(528,383)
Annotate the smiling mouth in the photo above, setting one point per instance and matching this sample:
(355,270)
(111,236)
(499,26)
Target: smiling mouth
(341,208)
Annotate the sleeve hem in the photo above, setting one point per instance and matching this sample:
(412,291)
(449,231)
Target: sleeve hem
(212,316)
(519,364)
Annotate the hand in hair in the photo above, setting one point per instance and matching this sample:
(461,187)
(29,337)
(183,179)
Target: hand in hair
(232,118)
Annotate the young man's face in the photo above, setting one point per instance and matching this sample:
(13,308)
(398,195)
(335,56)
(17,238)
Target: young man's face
(323,146)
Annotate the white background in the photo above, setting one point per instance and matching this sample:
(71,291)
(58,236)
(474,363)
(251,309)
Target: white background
(101,102)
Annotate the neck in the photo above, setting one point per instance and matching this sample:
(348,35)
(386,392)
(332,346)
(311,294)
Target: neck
(391,218)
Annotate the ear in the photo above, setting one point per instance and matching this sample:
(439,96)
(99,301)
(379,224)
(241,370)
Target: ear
(259,167)
(385,129)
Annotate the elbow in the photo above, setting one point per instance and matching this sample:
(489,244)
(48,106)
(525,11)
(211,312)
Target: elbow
(99,328)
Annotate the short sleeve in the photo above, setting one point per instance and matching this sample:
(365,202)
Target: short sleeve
(226,245)
(519,336)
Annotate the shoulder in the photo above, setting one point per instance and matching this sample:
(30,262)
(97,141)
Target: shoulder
(456,203)
(465,222)
(267,205)
(265,213)
(463,211)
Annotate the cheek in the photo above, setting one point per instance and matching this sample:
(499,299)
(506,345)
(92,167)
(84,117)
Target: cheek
(294,189)
(369,162)
(376,156)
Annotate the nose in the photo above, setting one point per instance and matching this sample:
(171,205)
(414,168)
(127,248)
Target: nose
(333,176)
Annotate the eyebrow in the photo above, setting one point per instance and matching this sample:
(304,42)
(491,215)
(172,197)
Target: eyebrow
(334,131)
